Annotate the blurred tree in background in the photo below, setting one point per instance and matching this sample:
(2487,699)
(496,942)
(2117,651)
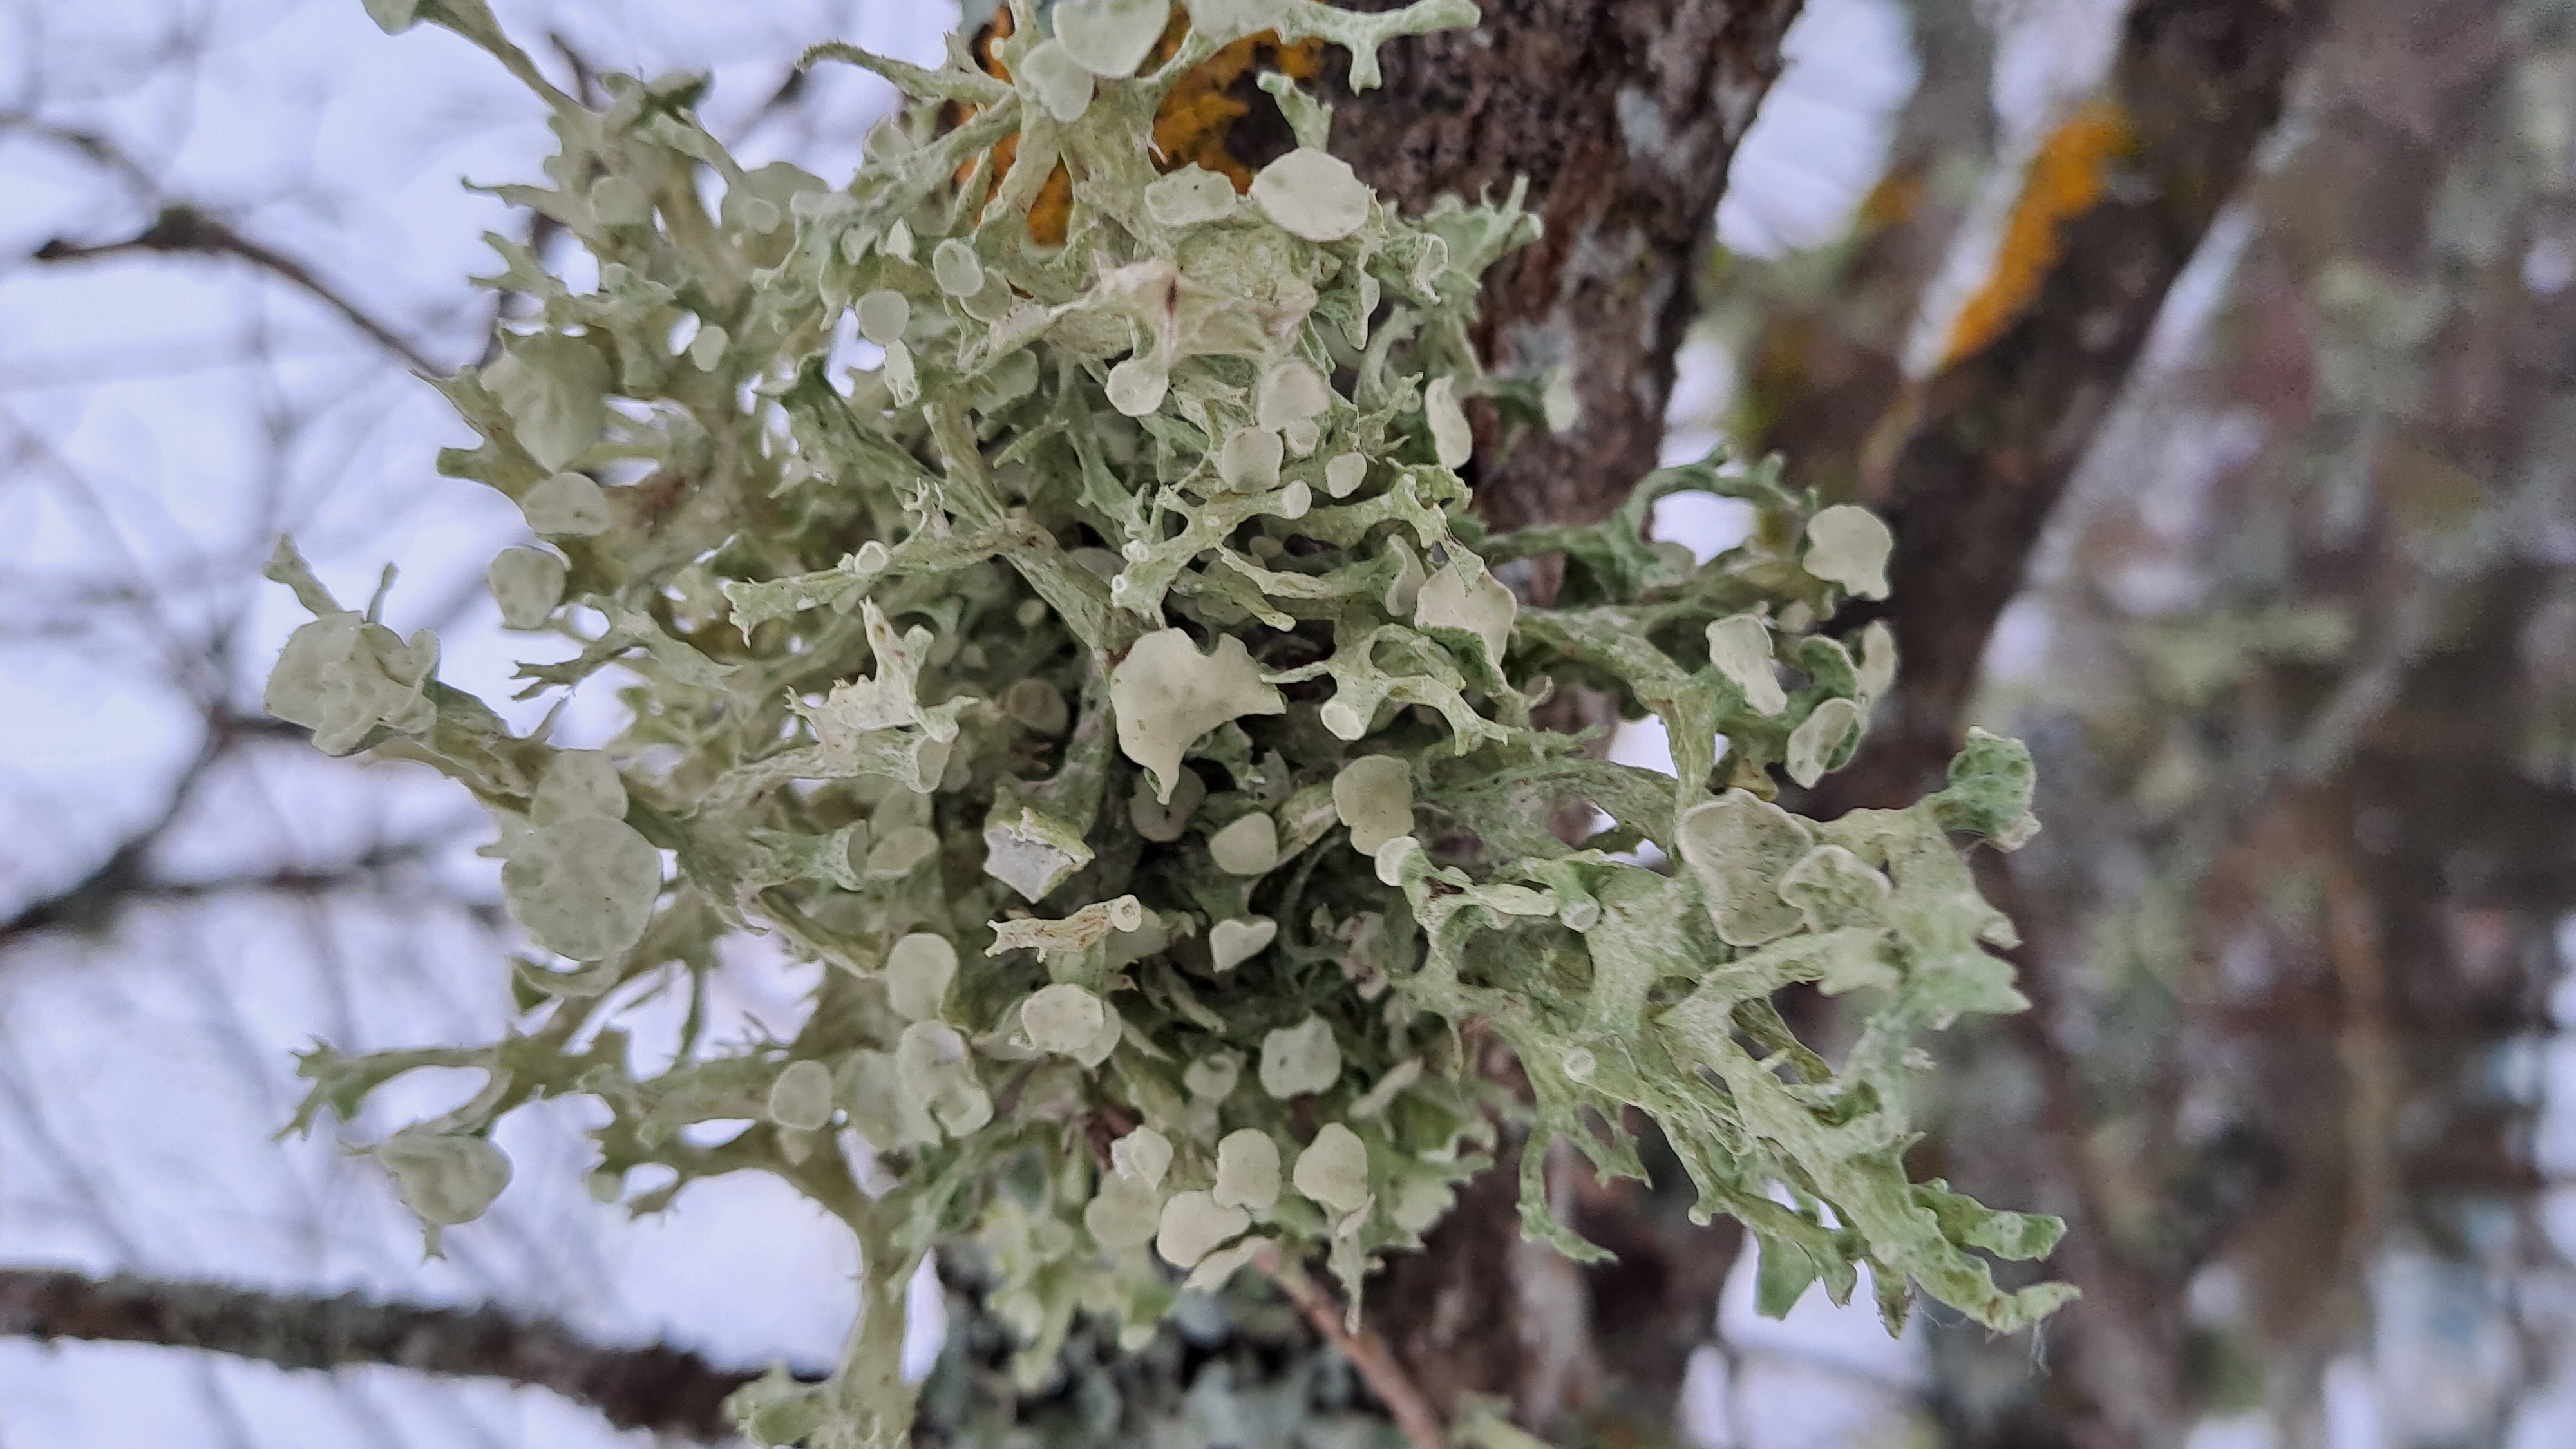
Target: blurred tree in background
(2215,361)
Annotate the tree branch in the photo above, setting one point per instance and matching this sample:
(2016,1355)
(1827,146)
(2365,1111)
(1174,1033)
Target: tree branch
(181,228)
(1971,462)
(125,878)
(1375,1363)
(102,150)
(662,1389)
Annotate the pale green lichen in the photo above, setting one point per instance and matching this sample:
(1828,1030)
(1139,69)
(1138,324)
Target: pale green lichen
(1297,1060)
(1195,1224)
(1333,1170)
(1247,1170)
(527,583)
(918,971)
(1114,690)
(582,887)
(445,1179)
(1373,795)
(1740,648)
(1312,194)
(801,1096)
(1850,546)
(1233,942)
(1250,846)
(1144,1154)
(1110,38)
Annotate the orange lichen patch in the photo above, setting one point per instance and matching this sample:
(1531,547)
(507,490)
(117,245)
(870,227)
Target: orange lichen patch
(1190,127)
(1052,210)
(1053,206)
(2067,179)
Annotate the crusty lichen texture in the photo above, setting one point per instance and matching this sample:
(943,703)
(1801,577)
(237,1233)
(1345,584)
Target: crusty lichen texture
(1088,654)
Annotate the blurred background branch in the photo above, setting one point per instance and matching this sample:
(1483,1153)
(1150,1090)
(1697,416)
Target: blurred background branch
(182,229)
(659,1389)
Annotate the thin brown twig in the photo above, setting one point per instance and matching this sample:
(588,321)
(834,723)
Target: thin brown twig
(1367,1352)
(789,92)
(664,1389)
(125,878)
(102,150)
(585,76)
(121,884)
(181,228)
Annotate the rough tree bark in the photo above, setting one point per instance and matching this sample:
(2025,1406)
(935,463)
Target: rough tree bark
(662,1389)
(1624,115)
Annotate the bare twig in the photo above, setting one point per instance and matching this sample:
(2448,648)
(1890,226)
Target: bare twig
(125,877)
(118,885)
(585,76)
(1367,1352)
(101,149)
(663,1389)
(781,102)
(94,898)
(181,228)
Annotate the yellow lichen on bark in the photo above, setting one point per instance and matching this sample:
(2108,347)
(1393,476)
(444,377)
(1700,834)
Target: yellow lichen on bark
(1190,127)
(2067,179)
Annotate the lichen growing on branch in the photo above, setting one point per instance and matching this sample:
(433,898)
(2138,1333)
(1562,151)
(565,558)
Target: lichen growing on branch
(1087,654)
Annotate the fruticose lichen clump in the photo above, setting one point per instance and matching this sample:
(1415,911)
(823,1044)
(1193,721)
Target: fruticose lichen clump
(1088,654)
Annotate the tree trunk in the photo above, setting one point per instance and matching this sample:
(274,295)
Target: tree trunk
(1976,458)
(2355,907)
(1624,115)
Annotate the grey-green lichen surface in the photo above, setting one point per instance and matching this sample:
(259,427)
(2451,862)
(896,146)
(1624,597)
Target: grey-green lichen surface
(1112,689)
